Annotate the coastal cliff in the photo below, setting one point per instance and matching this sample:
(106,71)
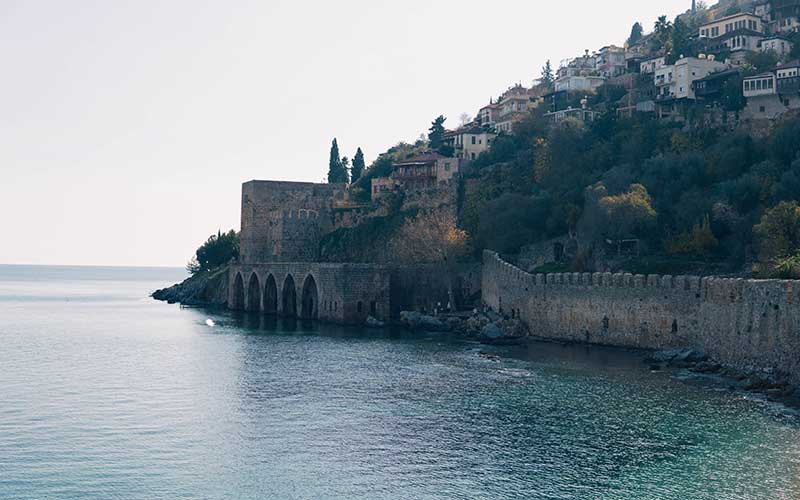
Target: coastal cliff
(206,289)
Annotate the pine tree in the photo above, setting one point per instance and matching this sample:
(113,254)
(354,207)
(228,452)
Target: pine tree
(547,73)
(336,171)
(436,133)
(358,166)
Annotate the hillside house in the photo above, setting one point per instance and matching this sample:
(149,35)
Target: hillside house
(423,171)
(611,61)
(729,24)
(514,105)
(579,75)
(652,64)
(674,82)
(470,141)
(738,43)
(778,44)
(712,87)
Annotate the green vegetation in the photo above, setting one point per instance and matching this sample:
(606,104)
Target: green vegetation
(358,166)
(436,137)
(337,169)
(778,236)
(636,34)
(218,250)
(683,194)
(547,77)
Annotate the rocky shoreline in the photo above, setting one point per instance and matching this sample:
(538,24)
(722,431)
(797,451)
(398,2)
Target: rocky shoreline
(204,289)
(694,365)
(689,365)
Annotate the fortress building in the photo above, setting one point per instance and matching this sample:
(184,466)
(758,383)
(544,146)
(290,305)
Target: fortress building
(284,221)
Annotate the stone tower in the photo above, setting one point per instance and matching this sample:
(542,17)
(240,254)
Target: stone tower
(284,221)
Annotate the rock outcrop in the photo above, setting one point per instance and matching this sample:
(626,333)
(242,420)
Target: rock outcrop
(207,289)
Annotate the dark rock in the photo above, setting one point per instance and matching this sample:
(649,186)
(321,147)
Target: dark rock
(707,367)
(207,289)
(373,322)
(417,321)
(507,332)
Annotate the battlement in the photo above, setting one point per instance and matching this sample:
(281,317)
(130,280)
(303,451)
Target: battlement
(709,288)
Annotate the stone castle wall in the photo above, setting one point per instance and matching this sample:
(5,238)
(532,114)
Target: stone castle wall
(343,293)
(741,323)
(284,221)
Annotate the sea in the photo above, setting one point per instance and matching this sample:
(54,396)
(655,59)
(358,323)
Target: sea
(106,393)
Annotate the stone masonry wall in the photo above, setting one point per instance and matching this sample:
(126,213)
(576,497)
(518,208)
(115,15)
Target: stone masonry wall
(344,293)
(741,323)
(283,221)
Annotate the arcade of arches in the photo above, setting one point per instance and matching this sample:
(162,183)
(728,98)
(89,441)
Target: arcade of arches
(332,292)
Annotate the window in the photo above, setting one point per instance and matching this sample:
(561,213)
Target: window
(373,307)
(762,109)
(472,155)
(473,139)
(359,306)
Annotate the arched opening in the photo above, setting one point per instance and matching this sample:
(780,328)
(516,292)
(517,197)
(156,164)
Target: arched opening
(238,293)
(310,300)
(289,297)
(254,294)
(271,296)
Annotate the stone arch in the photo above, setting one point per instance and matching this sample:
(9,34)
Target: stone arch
(270,295)
(310,299)
(237,303)
(289,297)
(253,294)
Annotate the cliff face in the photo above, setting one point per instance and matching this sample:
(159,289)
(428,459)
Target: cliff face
(209,289)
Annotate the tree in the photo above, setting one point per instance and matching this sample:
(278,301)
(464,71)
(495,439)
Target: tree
(337,172)
(465,119)
(636,34)
(436,133)
(778,235)
(346,169)
(547,73)
(433,238)
(699,241)
(662,31)
(626,214)
(759,62)
(218,250)
(680,41)
(358,166)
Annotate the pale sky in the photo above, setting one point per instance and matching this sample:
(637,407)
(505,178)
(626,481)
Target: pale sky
(129,126)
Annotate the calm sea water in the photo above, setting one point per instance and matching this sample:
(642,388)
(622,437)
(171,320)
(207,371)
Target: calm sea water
(107,394)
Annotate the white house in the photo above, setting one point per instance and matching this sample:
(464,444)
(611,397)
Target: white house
(650,65)
(675,81)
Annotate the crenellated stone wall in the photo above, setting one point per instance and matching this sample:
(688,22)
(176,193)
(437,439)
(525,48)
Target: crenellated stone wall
(741,323)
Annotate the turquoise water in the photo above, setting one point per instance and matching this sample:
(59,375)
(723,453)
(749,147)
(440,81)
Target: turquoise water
(106,394)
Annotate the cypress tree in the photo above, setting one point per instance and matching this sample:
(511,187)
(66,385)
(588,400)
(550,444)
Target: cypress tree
(335,167)
(358,166)
(345,172)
